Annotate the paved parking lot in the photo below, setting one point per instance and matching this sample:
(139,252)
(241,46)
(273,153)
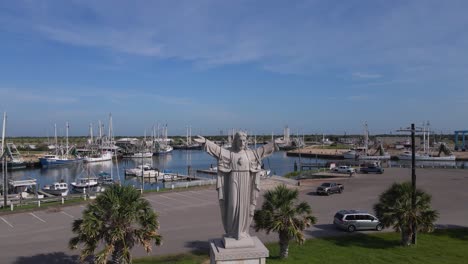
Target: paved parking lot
(189,218)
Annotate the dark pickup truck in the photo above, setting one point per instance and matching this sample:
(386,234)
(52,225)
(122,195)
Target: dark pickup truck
(375,169)
(329,188)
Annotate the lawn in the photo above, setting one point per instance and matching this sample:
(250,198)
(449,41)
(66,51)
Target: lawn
(442,246)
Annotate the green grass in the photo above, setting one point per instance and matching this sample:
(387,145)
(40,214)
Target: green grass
(442,246)
(44,205)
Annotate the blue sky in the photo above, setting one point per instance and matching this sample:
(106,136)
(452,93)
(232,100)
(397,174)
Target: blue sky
(316,66)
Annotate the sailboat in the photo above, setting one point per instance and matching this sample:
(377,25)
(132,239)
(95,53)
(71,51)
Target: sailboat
(63,158)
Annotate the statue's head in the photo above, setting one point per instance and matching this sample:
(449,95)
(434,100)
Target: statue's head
(240,141)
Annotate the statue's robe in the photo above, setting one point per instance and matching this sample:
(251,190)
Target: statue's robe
(238,183)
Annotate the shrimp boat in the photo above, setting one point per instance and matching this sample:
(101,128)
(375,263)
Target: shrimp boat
(57,188)
(62,158)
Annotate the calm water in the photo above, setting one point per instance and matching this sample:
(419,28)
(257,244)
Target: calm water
(176,162)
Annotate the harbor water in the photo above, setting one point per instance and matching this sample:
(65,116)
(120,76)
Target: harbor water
(178,162)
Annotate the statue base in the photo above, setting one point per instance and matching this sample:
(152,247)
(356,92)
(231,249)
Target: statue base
(255,254)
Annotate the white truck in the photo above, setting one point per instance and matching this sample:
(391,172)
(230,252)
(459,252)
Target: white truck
(344,169)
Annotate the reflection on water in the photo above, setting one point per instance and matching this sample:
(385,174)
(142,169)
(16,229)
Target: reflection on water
(177,162)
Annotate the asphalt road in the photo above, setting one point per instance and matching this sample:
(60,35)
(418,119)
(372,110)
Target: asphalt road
(190,218)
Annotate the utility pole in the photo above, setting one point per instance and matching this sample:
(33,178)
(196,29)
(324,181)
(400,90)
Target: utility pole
(413,131)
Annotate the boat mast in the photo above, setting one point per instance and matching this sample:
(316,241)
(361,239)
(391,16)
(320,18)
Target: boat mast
(366,137)
(66,134)
(3,131)
(56,141)
(91,132)
(4,164)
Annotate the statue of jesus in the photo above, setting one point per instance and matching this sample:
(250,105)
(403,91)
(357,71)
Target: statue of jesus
(237,184)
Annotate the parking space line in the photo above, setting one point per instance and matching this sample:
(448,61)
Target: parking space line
(67,214)
(38,217)
(191,197)
(6,222)
(156,202)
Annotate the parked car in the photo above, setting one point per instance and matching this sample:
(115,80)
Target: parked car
(329,188)
(352,220)
(344,169)
(375,169)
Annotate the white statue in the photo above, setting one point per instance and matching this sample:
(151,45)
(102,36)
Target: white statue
(237,184)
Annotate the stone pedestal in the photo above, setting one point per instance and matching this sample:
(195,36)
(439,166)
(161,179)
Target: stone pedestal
(255,254)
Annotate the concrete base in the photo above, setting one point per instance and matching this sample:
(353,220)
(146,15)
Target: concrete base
(256,254)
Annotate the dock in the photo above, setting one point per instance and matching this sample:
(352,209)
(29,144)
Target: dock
(212,172)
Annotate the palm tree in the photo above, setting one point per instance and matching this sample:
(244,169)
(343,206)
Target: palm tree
(280,213)
(394,209)
(119,218)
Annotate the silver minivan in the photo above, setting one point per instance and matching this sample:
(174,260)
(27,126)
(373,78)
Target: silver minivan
(352,220)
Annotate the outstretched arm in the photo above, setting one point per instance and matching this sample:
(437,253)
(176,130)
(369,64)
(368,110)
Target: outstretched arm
(209,146)
(266,150)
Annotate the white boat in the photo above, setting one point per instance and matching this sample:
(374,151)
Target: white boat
(103,156)
(83,183)
(57,188)
(146,170)
(145,154)
(425,156)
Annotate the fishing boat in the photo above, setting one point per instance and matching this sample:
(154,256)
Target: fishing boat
(97,157)
(363,153)
(142,154)
(427,154)
(161,143)
(84,183)
(406,155)
(61,156)
(56,188)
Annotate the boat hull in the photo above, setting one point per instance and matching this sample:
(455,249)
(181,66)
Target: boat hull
(58,162)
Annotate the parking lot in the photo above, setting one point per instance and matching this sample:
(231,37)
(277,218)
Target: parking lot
(189,218)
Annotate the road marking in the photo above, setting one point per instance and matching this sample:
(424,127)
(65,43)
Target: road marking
(156,202)
(82,206)
(67,214)
(37,217)
(6,222)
